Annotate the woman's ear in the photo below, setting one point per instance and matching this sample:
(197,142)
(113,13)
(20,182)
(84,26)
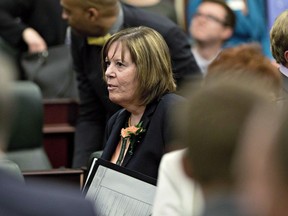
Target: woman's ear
(187,166)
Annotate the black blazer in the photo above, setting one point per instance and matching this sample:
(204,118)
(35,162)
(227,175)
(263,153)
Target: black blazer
(148,151)
(96,108)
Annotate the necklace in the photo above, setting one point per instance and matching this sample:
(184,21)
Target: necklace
(129,121)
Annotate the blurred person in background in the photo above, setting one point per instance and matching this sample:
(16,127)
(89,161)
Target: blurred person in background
(251,22)
(32,26)
(279,47)
(211,25)
(162,7)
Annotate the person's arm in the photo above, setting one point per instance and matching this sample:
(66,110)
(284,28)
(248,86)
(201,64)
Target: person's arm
(10,28)
(14,30)
(176,194)
(168,200)
(34,40)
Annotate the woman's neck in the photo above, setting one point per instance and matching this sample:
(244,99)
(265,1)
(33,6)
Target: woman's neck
(208,51)
(136,115)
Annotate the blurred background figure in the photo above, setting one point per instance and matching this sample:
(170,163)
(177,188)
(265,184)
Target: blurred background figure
(212,24)
(31,25)
(37,198)
(279,47)
(251,22)
(162,7)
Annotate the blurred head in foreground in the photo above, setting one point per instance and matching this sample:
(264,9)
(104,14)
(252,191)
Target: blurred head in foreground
(211,124)
(246,60)
(262,163)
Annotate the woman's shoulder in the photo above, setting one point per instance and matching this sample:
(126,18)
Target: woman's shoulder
(117,114)
(167,101)
(172,98)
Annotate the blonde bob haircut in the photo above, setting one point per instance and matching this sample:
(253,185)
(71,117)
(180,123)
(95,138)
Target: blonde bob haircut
(278,38)
(151,56)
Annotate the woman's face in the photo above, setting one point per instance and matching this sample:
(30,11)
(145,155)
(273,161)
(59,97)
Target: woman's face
(121,76)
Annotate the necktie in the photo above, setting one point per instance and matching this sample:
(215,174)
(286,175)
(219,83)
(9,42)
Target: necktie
(100,41)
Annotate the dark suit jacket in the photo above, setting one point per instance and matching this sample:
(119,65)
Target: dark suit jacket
(42,15)
(151,146)
(18,199)
(95,106)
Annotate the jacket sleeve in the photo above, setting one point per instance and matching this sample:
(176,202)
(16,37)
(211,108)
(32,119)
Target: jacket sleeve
(12,16)
(91,120)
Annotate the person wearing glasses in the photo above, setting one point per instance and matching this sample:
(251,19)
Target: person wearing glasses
(211,25)
(251,24)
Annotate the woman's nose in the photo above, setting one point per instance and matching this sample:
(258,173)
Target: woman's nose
(109,71)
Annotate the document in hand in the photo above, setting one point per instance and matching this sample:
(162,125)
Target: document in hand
(117,191)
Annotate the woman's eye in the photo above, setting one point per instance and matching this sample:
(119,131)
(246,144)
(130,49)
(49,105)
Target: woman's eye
(107,63)
(120,64)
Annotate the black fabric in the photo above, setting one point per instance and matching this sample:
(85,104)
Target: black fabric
(149,150)
(45,16)
(40,198)
(42,15)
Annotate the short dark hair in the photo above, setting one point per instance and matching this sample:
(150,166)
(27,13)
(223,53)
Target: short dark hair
(230,19)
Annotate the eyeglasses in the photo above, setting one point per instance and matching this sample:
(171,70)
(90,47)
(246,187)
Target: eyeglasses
(210,18)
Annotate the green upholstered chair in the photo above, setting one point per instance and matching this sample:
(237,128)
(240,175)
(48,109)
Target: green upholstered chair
(25,146)
(12,168)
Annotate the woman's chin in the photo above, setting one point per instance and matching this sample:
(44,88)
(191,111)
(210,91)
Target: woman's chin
(114,100)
